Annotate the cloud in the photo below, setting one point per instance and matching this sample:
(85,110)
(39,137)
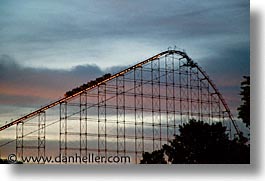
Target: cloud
(23,85)
(60,32)
(228,65)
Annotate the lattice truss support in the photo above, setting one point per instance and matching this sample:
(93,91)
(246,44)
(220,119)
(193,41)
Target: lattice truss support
(135,112)
(30,137)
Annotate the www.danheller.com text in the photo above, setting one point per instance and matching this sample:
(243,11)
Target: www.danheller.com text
(89,158)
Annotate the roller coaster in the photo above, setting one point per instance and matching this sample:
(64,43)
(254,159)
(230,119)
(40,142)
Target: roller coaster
(130,112)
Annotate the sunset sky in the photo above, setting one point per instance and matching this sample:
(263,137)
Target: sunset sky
(48,47)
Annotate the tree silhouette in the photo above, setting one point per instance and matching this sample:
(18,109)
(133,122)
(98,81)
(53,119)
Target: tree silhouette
(201,143)
(244,108)
(156,157)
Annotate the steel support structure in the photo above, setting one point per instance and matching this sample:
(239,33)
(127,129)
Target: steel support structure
(136,110)
(63,129)
(120,114)
(29,143)
(19,139)
(83,124)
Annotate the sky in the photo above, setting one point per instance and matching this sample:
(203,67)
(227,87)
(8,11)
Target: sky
(48,47)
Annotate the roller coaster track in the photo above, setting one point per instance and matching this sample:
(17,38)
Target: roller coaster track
(190,63)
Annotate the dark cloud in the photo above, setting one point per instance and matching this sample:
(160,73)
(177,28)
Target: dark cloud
(24,86)
(228,61)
